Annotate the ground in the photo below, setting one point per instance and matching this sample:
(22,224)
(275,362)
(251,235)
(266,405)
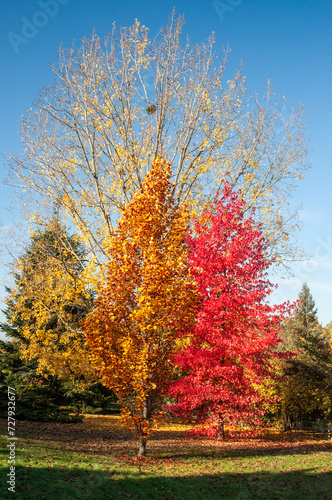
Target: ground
(96,459)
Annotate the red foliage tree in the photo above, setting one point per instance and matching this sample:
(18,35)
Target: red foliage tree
(232,350)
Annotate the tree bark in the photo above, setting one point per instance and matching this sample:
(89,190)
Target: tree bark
(142,447)
(146,415)
(221,430)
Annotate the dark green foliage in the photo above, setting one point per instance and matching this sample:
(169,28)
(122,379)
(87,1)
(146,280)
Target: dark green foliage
(306,385)
(37,398)
(94,398)
(151,109)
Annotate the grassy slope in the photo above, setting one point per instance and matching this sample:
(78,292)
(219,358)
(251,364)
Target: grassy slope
(97,460)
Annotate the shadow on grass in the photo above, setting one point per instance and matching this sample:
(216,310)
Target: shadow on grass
(231,449)
(85,484)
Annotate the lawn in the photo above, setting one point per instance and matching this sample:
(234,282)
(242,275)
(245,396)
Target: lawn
(96,459)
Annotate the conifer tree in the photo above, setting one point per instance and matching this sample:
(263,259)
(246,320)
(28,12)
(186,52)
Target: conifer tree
(45,358)
(38,397)
(50,300)
(305,388)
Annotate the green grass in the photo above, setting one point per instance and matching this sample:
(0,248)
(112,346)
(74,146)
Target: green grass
(96,459)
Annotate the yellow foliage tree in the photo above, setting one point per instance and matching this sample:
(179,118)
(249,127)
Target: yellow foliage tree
(49,301)
(116,106)
(145,303)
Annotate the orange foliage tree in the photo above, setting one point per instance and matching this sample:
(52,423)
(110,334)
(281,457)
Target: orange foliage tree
(145,304)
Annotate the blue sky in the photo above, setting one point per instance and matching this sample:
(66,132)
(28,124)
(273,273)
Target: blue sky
(288,42)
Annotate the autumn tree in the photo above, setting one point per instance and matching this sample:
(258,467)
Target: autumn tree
(305,388)
(232,345)
(117,105)
(328,332)
(38,397)
(145,303)
(49,300)
(46,396)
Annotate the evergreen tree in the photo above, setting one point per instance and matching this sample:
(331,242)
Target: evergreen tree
(32,316)
(50,300)
(305,388)
(37,397)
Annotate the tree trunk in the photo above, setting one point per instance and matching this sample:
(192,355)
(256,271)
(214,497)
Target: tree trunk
(142,447)
(221,429)
(146,416)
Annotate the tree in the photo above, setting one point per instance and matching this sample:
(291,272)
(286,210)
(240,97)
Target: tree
(49,301)
(232,345)
(305,389)
(38,397)
(328,332)
(145,303)
(116,106)
(44,397)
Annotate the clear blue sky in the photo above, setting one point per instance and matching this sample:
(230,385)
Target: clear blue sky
(288,42)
